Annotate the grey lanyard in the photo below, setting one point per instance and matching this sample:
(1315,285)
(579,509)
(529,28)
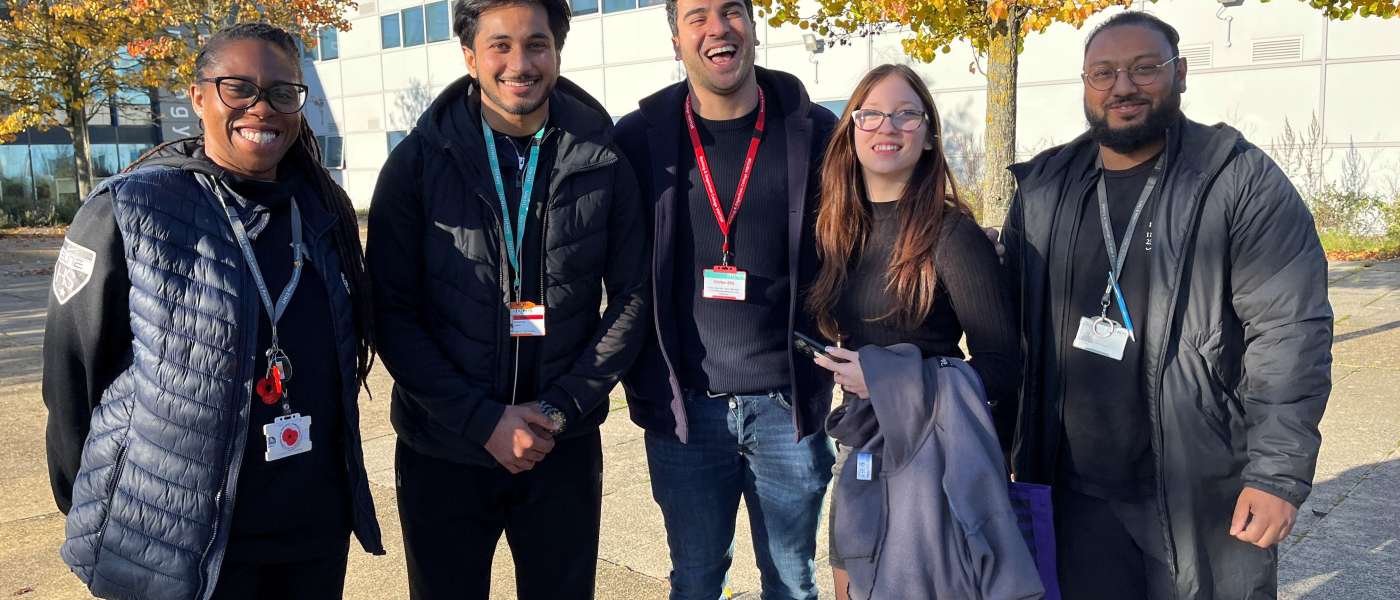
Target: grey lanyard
(274,311)
(1118,253)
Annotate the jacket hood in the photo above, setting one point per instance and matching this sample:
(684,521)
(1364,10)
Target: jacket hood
(664,105)
(185,154)
(454,117)
(1211,146)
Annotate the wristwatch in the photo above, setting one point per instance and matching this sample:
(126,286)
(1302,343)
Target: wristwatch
(554,415)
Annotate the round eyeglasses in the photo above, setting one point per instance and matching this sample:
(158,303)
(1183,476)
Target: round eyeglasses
(1103,77)
(868,119)
(240,94)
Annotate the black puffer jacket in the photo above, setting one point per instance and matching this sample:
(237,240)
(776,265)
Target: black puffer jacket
(1236,347)
(436,254)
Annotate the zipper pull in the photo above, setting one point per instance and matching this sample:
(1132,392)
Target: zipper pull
(346,282)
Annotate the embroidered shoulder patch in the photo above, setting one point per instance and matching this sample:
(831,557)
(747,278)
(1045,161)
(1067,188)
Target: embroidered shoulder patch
(73,270)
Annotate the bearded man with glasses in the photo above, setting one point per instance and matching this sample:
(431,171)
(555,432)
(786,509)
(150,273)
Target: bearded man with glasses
(1172,296)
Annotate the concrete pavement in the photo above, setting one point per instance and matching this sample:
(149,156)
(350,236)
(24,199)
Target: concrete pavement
(1346,544)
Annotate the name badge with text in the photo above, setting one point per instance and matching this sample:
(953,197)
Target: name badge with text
(1102,336)
(724,283)
(526,319)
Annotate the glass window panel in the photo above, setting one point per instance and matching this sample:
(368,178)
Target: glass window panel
(439,22)
(835,106)
(585,7)
(55,182)
(329,43)
(650,2)
(128,153)
(389,31)
(413,26)
(617,5)
(332,153)
(16,189)
(104,160)
(394,137)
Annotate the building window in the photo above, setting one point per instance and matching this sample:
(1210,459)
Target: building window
(394,137)
(612,6)
(332,151)
(389,31)
(328,45)
(413,26)
(644,3)
(837,107)
(585,7)
(439,22)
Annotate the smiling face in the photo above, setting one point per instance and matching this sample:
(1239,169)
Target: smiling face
(251,141)
(889,154)
(715,41)
(514,58)
(1128,116)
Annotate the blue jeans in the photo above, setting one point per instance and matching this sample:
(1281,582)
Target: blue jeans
(740,446)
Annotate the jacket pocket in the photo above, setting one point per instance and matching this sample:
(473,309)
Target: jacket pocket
(103,461)
(858,511)
(1219,395)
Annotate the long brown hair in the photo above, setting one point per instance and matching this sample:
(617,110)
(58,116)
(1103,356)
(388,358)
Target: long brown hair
(843,219)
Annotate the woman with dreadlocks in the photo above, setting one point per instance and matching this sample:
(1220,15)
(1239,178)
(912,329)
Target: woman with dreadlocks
(207,338)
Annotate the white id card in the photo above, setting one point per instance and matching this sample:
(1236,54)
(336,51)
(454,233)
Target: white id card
(1103,337)
(724,283)
(287,435)
(526,319)
(865,466)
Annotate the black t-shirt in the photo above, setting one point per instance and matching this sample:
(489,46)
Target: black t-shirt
(1106,451)
(731,346)
(297,506)
(513,154)
(970,297)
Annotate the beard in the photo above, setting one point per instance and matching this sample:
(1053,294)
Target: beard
(523,106)
(1152,128)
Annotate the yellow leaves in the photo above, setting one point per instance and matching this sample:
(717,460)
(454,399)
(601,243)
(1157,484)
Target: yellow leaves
(996,10)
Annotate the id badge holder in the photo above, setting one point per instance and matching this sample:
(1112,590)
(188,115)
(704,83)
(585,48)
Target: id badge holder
(1102,336)
(724,282)
(287,435)
(526,319)
(865,466)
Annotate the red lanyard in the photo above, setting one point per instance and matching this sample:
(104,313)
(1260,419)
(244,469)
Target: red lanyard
(704,167)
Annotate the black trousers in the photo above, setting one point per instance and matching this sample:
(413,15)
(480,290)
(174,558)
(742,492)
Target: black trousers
(453,515)
(315,579)
(1109,549)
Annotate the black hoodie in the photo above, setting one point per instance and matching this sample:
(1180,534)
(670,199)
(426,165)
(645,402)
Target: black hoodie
(437,257)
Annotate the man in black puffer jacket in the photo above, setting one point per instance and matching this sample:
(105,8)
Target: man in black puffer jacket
(501,359)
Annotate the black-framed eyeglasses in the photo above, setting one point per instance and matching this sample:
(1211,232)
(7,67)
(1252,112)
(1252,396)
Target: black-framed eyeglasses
(869,119)
(240,94)
(1102,78)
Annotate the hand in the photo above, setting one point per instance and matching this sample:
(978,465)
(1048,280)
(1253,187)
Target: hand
(848,374)
(994,234)
(522,438)
(1261,518)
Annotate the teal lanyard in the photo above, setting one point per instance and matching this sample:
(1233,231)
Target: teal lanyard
(515,236)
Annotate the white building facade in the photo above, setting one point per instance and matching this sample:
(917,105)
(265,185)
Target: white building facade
(1254,66)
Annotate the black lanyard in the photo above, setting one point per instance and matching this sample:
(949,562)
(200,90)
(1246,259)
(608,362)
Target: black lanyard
(1118,253)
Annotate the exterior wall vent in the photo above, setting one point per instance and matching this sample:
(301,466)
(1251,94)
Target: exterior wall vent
(1199,56)
(1278,50)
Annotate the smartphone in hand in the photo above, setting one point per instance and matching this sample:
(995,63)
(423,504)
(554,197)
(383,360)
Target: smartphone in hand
(813,348)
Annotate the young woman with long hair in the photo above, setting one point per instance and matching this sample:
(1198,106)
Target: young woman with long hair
(208,334)
(903,260)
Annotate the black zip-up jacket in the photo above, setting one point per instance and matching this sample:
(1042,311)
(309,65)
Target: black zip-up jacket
(1236,344)
(651,138)
(437,257)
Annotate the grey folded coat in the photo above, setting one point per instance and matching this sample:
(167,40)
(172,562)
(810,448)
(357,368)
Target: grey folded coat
(933,520)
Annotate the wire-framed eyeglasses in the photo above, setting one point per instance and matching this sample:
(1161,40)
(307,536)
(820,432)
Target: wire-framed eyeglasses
(238,93)
(869,119)
(1103,77)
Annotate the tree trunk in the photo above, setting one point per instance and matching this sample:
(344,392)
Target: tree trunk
(1000,138)
(82,159)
